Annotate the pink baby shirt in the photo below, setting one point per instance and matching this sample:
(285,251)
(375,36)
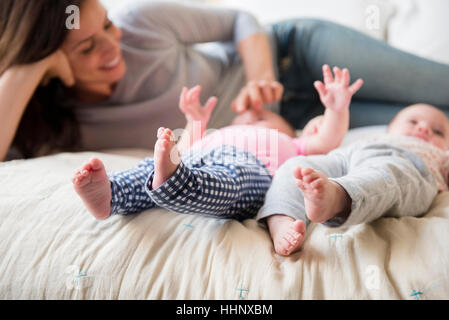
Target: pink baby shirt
(270,146)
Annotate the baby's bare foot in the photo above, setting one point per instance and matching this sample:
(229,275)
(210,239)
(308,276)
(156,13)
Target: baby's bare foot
(323,199)
(287,233)
(92,184)
(166,157)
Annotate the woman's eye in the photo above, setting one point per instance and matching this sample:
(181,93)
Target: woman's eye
(438,132)
(108,25)
(412,122)
(89,50)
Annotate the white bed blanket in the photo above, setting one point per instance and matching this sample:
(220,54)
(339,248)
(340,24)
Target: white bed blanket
(52,248)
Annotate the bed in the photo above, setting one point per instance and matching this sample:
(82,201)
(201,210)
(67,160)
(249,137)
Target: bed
(52,248)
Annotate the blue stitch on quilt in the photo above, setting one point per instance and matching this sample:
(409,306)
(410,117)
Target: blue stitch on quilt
(80,275)
(416,294)
(336,236)
(241,293)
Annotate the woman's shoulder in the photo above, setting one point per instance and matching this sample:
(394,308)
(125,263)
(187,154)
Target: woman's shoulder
(132,11)
(127,12)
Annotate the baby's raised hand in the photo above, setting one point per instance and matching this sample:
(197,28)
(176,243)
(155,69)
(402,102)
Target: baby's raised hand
(336,93)
(190,105)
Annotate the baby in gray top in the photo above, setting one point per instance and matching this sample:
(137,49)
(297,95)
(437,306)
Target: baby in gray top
(396,174)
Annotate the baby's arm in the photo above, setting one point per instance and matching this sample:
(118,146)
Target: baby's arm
(335,94)
(197,116)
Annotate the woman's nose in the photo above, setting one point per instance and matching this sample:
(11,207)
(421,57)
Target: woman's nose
(110,43)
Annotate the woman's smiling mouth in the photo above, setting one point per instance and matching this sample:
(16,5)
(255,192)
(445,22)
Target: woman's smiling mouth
(112,64)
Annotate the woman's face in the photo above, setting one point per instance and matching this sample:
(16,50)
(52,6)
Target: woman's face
(94,50)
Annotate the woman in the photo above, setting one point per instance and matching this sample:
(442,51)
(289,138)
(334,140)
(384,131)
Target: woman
(112,85)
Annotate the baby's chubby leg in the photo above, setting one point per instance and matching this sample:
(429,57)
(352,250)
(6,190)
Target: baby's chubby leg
(293,206)
(287,233)
(92,184)
(166,157)
(323,199)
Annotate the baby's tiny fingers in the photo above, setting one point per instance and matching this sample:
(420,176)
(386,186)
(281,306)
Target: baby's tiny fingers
(346,77)
(193,94)
(320,87)
(356,86)
(210,105)
(160,131)
(327,74)
(338,74)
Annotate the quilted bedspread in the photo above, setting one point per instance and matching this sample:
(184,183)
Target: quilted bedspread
(52,248)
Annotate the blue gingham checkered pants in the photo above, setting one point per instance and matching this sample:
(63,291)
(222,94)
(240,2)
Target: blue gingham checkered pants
(224,182)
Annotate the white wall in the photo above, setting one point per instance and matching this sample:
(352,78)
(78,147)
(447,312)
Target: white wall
(416,26)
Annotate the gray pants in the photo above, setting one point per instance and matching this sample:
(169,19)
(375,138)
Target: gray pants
(380,179)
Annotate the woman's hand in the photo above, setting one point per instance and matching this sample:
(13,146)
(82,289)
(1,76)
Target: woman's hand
(27,77)
(256,94)
(190,105)
(58,66)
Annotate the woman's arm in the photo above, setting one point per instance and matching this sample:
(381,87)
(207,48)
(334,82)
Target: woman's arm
(187,23)
(17,86)
(262,87)
(257,59)
(182,24)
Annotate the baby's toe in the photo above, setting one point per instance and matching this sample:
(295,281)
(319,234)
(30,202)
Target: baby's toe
(95,164)
(281,246)
(78,181)
(76,178)
(299,226)
(297,173)
(160,131)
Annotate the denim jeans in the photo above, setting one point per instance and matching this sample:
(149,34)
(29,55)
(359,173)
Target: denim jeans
(393,78)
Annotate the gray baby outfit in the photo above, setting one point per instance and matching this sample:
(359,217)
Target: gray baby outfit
(381,180)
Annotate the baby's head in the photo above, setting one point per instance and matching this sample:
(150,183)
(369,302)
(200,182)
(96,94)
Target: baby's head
(422,121)
(266,119)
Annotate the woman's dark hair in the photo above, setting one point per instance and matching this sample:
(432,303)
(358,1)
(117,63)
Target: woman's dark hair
(31,30)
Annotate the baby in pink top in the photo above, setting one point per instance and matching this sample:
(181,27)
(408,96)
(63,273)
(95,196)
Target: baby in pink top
(224,190)
(270,146)
(271,139)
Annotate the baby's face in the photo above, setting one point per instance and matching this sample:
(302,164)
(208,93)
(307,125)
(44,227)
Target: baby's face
(266,119)
(424,122)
